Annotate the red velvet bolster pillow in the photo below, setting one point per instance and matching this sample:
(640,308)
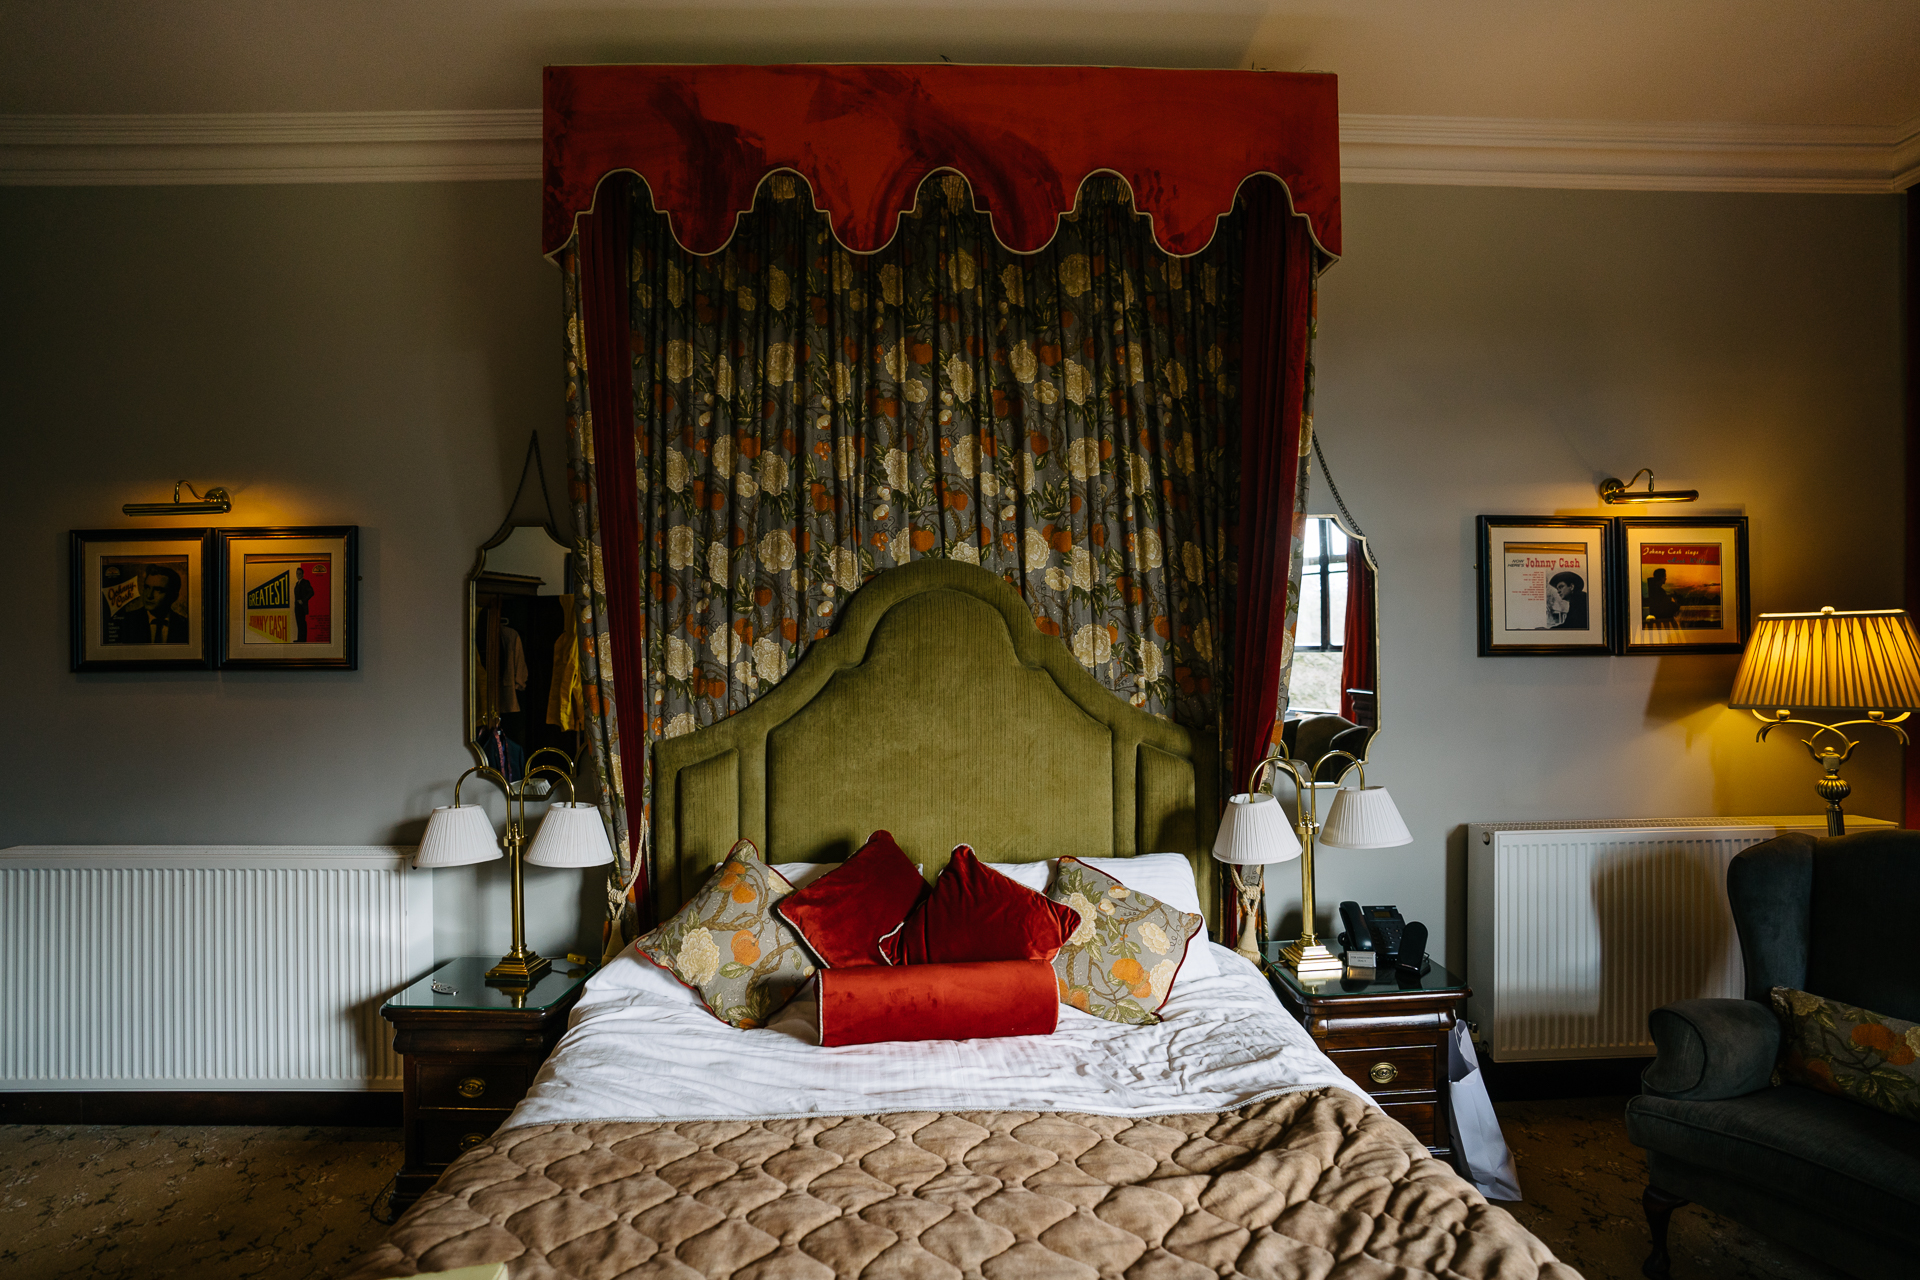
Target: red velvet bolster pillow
(938,1001)
(843,915)
(975,913)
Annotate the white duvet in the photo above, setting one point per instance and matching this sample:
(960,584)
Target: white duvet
(641,1047)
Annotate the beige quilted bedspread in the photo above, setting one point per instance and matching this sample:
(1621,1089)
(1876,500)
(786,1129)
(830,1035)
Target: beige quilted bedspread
(1304,1186)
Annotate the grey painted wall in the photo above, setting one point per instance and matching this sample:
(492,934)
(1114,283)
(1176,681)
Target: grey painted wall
(378,354)
(374,355)
(1500,352)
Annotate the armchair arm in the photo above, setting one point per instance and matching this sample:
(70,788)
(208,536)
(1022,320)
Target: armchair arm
(1711,1049)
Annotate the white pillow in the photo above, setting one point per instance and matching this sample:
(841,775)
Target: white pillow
(801,874)
(1035,875)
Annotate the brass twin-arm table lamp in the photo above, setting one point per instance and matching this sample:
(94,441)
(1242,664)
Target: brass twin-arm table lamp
(1255,830)
(572,835)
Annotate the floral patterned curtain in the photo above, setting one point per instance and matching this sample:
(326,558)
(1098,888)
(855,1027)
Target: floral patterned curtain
(806,417)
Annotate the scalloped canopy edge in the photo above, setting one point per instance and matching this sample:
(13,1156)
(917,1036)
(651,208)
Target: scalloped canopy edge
(864,138)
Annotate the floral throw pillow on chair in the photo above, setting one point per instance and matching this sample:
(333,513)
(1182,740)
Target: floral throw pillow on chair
(729,946)
(1840,1049)
(1119,963)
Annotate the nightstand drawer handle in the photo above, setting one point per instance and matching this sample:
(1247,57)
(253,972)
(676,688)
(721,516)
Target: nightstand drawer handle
(471,1087)
(469,1141)
(1383,1073)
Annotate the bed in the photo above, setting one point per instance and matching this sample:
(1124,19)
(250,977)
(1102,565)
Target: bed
(658,1141)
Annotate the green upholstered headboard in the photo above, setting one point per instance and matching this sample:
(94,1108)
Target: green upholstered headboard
(938,711)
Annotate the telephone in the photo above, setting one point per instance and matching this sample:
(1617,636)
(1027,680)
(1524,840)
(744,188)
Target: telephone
(1375,929)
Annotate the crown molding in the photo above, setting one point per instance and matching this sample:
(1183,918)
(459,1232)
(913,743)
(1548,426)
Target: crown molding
(1617,155)
(312,146)
(468,146)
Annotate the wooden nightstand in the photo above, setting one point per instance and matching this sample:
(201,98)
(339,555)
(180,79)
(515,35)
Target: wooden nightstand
(470,1056)
(1388,1036)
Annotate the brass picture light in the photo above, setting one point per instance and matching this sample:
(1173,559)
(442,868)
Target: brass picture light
(1613,491)
(214,502)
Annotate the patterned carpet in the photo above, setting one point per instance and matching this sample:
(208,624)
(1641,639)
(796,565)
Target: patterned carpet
(291,1203)
(1583,1180)
(213,1203)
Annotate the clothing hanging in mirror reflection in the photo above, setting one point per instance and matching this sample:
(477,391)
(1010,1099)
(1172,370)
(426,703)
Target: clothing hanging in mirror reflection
(565,707)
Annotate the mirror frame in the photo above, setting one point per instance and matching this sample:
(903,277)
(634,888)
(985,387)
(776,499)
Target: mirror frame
(574,554)
(1366,549)
(500,536)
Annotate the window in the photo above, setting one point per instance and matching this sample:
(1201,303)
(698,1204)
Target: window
(1314,688)
(1323,588)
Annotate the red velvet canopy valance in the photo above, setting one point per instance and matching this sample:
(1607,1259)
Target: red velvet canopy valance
(864,138)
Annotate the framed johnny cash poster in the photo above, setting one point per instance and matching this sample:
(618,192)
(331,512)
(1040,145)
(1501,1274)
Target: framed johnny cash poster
(1681,584)
(142,599)
(1543,586)
(291,597)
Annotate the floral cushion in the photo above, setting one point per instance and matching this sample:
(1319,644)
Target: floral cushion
(1119,963)
(727,944)
(1839,1049)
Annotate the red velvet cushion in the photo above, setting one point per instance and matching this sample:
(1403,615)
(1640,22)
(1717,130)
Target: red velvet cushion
(975,913)
(843,915)
(938,1002)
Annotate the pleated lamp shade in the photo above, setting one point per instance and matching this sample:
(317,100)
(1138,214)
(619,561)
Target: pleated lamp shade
(571,835)
(1364,818)
(1830,661)
(1254,830)
(456,835)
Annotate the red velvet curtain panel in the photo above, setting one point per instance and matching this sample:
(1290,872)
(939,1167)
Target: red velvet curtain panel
(604,253)
(1273,343)
(1356,647)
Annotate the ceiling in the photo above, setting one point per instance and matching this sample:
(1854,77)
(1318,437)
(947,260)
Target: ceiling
(1758,95)
(1775,62)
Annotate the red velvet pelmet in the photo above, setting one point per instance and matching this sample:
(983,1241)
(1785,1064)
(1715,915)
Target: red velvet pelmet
(864,137)
(1356,647)
(605,243)
(873,1003)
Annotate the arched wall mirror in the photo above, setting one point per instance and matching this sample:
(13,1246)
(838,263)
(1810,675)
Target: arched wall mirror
(1333,700)
(522,684)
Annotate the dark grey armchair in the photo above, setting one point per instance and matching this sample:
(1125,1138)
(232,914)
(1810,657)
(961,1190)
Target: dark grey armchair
(1829,1176)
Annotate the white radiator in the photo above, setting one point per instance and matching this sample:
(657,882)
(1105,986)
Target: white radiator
(1576,931)
(170,967)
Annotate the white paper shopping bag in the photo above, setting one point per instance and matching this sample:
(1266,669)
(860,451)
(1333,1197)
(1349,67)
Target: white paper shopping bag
(1476,1130)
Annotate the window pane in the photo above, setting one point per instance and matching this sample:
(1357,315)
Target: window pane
(1336,540)
(1307,634)
(1337,608)
(1315,689)
(1311,543)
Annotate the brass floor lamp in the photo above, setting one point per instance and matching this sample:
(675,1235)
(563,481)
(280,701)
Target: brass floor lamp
(571,835)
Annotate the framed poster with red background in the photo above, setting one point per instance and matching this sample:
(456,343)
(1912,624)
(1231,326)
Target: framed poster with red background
(291,597)
(1680,585)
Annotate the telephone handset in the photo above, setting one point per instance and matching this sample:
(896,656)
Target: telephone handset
(1375,929)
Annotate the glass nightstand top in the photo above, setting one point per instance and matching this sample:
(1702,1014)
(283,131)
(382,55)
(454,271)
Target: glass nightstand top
(1387,983)
(467,977)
